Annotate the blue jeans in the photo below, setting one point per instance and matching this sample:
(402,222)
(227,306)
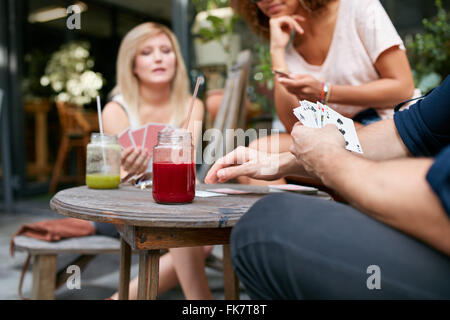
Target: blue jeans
(106,229)
(290,246)
(367,116)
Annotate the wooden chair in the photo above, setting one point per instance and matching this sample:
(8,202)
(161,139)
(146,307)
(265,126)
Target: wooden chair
(232,112)
(76,129)
(39,109)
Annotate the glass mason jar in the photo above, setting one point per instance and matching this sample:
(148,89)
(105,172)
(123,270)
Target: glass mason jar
(173,167)
(103,162)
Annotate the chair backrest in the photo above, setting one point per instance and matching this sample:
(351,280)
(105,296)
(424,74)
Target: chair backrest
(232,112)
(71,119)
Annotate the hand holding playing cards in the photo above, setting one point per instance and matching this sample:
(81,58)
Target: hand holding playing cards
(281,28)
(302,86)
(310,145)
(135,160)
(245,162)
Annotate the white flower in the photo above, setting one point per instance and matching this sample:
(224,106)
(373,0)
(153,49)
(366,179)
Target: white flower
(258,76)
(79,66)
(63,96)
(45,81)
(80,53)
(90,79)
(57,86)
(74,87)
(81,100)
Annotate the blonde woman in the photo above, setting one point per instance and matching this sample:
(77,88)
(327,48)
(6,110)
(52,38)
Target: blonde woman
(152,86)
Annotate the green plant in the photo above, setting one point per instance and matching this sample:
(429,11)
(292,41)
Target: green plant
(429,52)
(69,74)
(261,81)
(263,65)
(205,5)
(216,28)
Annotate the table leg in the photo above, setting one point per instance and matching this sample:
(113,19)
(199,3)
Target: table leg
(148,279)
(231,281)
(124,276)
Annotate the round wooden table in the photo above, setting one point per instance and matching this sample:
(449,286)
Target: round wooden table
(148,227)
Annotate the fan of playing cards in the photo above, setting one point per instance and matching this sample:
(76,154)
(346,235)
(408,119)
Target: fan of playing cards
(145,136)
(318,115)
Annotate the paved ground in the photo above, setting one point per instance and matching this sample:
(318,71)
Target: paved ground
(98,281)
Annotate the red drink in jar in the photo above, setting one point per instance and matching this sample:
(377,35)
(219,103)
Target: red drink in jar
(173,167)
(173,183)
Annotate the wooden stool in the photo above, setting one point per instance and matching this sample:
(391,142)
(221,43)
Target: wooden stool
(46,279)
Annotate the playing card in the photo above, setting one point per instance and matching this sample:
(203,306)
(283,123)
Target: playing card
(294,187)
(124,139)
(229,191)
(350,135)
(207,194)
(145,136)
(312,110)
(319,115)
(321,108)
(305,115)
(138,135)
(299,115)
(152,136)
(345,126)
(130,135)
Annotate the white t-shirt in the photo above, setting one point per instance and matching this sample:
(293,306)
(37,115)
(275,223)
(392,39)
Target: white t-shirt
(363,31)
(134,122)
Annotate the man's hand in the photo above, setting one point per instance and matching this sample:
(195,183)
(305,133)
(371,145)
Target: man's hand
(314,148)
(245,162)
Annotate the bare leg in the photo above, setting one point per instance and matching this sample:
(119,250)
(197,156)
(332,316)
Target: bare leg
(274,144)
(189,264)
(358,125)
(167,275)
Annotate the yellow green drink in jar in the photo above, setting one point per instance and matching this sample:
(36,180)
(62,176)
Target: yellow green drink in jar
(103,162)
(102,181)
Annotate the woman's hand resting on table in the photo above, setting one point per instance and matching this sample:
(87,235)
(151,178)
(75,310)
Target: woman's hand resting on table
(135,160)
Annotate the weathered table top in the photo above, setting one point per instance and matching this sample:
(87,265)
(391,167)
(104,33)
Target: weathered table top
(129,205)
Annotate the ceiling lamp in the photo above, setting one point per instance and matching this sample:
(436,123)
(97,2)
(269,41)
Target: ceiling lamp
(52,13)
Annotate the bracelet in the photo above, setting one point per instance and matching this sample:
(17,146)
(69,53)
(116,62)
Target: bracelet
(323,92)
(327,95)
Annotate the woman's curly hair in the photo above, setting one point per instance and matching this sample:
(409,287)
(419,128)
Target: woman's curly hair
(258,21)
